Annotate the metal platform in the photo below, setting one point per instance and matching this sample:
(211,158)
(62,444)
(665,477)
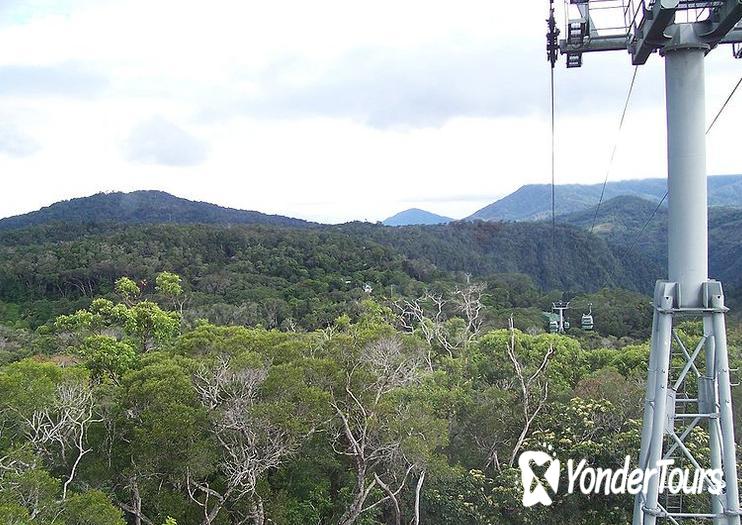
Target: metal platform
(640,26)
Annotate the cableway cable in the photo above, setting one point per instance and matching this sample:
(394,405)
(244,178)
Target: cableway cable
(723,106)
(553,161)
(646,223)
(552,48)
(615,145)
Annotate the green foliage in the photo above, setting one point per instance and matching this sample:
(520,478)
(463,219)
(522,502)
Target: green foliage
(276,277)
(106,356)
(168,284)
(26,493)
(127,289)
(272,416)
(144,322)
(91,508)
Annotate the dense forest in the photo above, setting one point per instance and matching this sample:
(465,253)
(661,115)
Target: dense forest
(309,276)
(414,411)
(178,374)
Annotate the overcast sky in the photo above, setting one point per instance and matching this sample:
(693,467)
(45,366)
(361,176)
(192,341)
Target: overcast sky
(330,110)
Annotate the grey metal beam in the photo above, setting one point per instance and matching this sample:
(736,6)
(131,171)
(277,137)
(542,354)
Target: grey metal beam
(620,43)
(733,37)
(721,22)
(651,31)
(601,43)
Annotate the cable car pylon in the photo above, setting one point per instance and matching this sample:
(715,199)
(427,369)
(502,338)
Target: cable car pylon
(698,392)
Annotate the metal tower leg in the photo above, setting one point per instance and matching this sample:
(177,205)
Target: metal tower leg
(646,509)
(648,412)
(714,433)
(724,389)
(663,408)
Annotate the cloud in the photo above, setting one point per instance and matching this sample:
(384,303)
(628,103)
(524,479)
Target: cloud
(66,80)
(418,88)
(158,141)
(382,88)
(14,143)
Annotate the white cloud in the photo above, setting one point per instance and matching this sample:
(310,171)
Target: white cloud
(158,141)
(15,144)
(64,80)
(330,110)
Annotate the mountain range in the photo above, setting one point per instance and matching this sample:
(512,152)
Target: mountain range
(533,201)
(624,248)
(566,259)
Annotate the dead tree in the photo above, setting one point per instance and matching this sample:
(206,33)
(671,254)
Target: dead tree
(362,431)
(61,428)
(533,389)
(250,443)
(469,302)
(429,316)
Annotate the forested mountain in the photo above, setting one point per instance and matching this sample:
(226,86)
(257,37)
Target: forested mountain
(308,275)
(142,207)
(620,222)
(415,216)
(571,260)
(533,201)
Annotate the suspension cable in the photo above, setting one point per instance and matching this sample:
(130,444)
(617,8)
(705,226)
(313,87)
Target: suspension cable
(723,106)
(644,227)
(552,49)
(553,160)
(615,146)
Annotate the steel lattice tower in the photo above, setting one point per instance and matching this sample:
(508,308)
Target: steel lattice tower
(688,386)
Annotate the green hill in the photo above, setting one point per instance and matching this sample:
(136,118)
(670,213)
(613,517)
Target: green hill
(142,207)
(415,216)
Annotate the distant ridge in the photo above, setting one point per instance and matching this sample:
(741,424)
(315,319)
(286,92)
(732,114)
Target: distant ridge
(625,223)
(142,207)
(415,216)
(533,201)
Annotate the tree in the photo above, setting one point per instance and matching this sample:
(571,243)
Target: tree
(380,430)
(144,322)
(51,410)
(91,508)
(158,436)
(433,316)
(128,290)
(256,427)
(169,285)
(107,357)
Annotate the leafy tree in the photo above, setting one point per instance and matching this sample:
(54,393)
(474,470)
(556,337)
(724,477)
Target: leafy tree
(127,289)
(91,508)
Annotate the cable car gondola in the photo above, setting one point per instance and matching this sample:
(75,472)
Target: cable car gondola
(586,323)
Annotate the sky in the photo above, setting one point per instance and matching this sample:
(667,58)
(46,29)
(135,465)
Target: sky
(331,110)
